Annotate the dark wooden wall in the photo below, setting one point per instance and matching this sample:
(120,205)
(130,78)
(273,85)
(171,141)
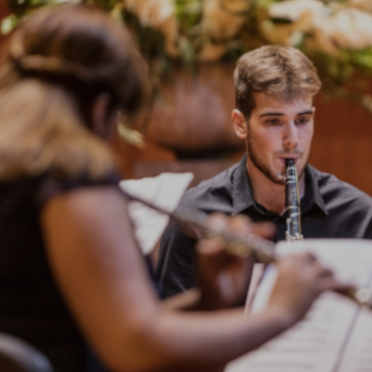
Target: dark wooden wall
(342,143)
(3,9)
(3,13)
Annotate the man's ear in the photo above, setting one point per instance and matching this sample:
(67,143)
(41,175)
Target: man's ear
(240,124)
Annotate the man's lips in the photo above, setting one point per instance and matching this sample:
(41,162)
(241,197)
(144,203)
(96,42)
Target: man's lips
(283,159)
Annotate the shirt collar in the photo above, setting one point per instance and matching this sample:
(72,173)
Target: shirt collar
(242,194)
(242,190)
(313,196)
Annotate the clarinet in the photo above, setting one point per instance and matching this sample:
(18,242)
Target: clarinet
(292,203)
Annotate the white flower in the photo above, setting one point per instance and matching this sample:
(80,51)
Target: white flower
(151,12)
(294,10)
(159,14)
(365,5)
(331,27)
(220,18)
(301,14)
(348,28)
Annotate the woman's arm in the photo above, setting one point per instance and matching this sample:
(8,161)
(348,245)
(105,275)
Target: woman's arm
(101,274)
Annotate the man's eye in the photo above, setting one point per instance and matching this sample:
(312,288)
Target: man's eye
(273,122)
(302,121)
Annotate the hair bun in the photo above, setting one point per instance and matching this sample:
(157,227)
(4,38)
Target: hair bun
(48,66)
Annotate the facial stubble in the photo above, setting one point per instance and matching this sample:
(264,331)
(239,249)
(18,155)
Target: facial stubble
(259,161)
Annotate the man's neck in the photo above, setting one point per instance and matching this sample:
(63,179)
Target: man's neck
(268,193)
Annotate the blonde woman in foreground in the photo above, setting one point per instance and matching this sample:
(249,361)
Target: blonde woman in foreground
(70,270)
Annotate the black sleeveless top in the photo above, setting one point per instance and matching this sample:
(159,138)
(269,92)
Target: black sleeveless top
(31,306)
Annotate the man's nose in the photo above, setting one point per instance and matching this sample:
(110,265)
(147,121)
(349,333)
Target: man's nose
(290,136)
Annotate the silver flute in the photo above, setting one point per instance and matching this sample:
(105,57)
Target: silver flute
(292,203)
(263,250)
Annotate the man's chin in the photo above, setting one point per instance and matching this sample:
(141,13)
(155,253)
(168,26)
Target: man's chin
(278,178)
(274,176)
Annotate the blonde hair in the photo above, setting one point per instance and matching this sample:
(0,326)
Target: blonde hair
(56,66)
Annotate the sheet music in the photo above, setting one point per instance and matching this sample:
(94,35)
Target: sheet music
(336,335)
(257,274)
(358,355)
(164,191)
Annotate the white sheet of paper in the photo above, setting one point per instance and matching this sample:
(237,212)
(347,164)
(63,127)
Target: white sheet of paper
(336,334)
(358,354)
(164,191)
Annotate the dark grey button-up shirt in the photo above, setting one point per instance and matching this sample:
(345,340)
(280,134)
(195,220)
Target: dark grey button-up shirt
(330,208)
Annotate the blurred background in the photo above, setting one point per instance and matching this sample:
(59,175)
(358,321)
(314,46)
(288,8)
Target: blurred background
(191,47)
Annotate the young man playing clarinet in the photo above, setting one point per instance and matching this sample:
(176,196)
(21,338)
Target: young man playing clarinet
(274,114)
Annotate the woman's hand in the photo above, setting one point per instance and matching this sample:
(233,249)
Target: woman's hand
(224,278)
(301,279)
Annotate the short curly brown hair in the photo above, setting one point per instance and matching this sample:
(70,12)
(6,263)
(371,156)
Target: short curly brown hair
(278,71)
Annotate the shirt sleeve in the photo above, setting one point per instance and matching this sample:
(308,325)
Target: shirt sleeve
(176,265)
(367,222)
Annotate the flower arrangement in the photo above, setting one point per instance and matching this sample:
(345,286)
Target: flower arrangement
(335,34)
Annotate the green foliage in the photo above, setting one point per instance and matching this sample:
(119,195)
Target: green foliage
(189,14)
(343,74)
